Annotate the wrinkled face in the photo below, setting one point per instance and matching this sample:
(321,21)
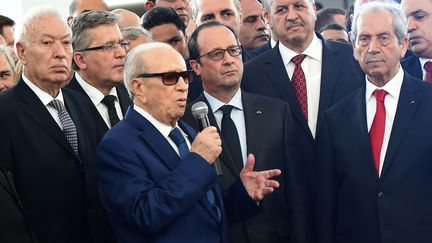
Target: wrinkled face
(48,42)
(168,33)
(294,22)
(377,48)
(6,74)
(138,41)
(335,35)
(253,32)
(180,7)
(166,103)
(102,67)
(223,11)
(218,75)
(419,15)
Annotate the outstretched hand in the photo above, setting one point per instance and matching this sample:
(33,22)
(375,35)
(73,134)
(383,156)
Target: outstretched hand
(257,183)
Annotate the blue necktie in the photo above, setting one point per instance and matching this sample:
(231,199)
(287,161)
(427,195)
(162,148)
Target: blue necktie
(178,138)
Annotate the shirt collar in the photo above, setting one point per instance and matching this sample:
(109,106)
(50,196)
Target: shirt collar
(216,104)
(164,129)
(423,61)
(44,97)
(392,87)
(95,95)
(314,51)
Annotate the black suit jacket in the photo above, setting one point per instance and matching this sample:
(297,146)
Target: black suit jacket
(412,66)
(354,204)
(341,74)
(58,188)
(270,137)
(13,223)
(123,97)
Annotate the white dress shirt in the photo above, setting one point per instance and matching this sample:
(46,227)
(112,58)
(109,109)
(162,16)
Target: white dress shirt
(164,129)
(46,98)
(96,97)
(392,88)
(311,66)
(237,116)
(422,63)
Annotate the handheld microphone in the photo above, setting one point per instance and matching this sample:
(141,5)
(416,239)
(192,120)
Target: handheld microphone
(200,111)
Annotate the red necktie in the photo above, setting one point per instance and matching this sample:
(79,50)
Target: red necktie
(428,68)
(376,133)
(298,81)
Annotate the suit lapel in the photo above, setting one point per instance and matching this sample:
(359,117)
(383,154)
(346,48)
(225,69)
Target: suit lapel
(253,113)
(33,107)
(123,97)
(407,106)
(73,112)
(276,71)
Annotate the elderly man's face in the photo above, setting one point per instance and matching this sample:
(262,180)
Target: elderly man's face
(166,103)
(6,74)
(254,32)
(47,52)
(223,11)
(180,6)
(419,15)
(377,48)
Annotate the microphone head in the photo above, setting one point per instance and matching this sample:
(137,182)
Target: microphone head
(199,109)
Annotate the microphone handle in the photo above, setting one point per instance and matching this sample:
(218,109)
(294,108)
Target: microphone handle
(217,167)
(203,122)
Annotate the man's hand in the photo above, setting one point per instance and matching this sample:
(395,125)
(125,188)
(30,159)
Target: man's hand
(207,144)
(258,184)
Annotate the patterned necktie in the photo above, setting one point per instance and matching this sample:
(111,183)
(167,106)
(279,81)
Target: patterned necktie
(69,128)
(108,101)
(298,82)
(376,133)
(230,135)
(178,138)
(428,68)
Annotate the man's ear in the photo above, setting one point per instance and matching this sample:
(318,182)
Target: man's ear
(21,52)
(149,5)
(195,66)
(138,91)
(78,58)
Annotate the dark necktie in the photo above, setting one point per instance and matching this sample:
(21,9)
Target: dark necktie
(376,133)
(298,82)
(108,101)
(428,68)
(69,128)
(183,148)
(230,135)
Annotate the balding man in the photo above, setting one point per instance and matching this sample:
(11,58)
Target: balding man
(127,18)
(80,6)
(160,185)
(254,31)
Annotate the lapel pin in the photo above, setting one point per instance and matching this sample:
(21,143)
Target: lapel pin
(412,102)
(258,112)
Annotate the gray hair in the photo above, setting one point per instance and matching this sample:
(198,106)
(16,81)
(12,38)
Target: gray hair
(6,52)
(133,33)
(35,14)
(398,18)
(194,6)
(85,21)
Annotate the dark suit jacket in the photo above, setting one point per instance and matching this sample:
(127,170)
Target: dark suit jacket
(341,74)
(412,66)
(260,50)
(123,97)
(13,223)
(270,137)
(151,195)
(354,205)
(57,188)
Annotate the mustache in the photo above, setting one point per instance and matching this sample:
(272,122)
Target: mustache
(293,23)
(374,58)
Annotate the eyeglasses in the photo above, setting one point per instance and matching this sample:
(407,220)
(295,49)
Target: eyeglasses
(219,54)
(170,78)
(110,46)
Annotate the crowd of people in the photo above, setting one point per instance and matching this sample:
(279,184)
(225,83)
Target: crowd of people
(244,121)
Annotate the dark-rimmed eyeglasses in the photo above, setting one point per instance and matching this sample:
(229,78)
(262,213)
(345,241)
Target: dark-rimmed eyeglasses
(110,46)
(170,78)
(219,54)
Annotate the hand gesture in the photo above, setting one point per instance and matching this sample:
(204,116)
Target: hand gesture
(207,144)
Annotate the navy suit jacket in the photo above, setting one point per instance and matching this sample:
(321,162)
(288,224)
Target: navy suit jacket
(57,188)
(341,74)
(412,66)
(151,195)
(354,204)
(270,137)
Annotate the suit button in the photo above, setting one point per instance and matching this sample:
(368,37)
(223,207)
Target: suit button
(380,195)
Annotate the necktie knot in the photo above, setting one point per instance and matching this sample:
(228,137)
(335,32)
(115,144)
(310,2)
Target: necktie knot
(297,60)
(428,66)
(57,104)
(226,109)
(179,140)
(380,95)
(109,100)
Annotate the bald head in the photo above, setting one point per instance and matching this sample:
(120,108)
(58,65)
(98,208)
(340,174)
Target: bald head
(79,6)
(127,18)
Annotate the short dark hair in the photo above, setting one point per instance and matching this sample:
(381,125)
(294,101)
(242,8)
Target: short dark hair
(5,21)
(162,15)
(326,16)
(194,51)
(332,26)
